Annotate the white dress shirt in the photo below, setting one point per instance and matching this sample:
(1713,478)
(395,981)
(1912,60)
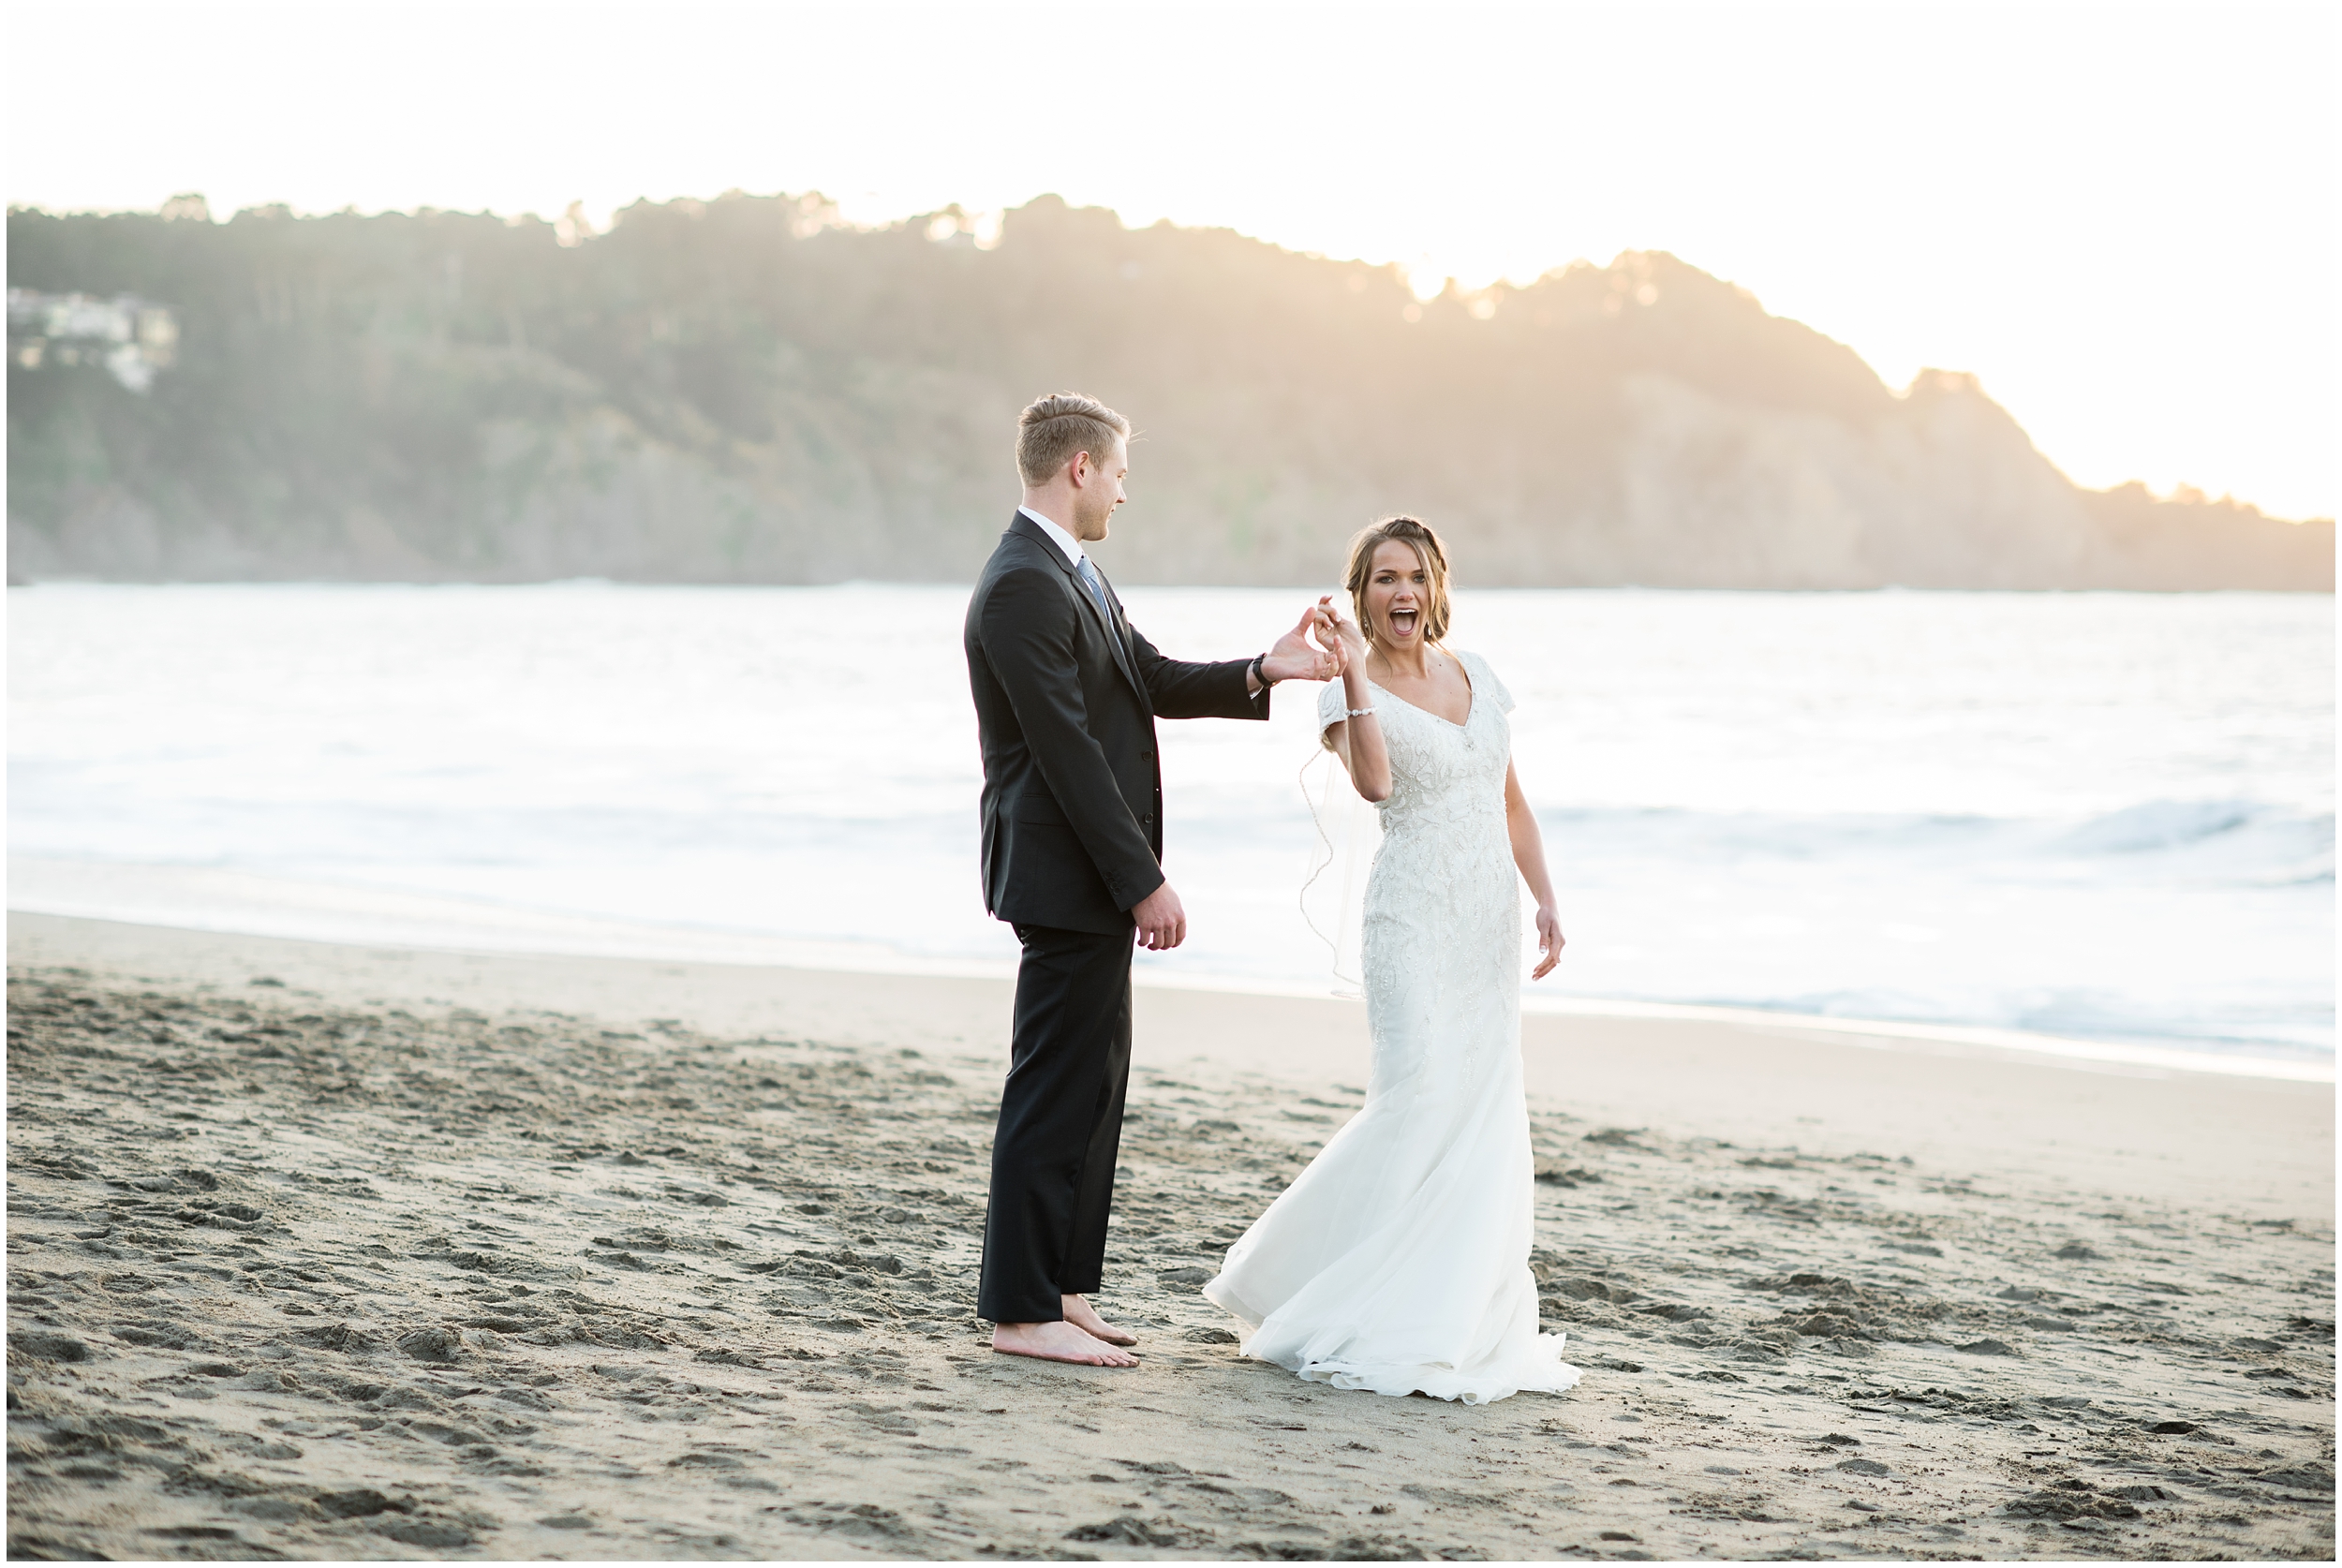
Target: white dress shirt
(1069,546)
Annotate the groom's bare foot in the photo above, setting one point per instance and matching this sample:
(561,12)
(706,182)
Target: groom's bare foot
(1058,1342)
(1082,1315)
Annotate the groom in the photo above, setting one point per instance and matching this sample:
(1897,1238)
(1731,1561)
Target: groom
(1067,694)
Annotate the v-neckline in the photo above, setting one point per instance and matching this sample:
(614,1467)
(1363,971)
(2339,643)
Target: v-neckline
(1470,708)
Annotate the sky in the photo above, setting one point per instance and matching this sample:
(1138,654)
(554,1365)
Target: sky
(2122,218)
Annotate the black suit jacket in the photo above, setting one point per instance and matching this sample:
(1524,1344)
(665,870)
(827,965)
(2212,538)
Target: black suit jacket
(1066,701)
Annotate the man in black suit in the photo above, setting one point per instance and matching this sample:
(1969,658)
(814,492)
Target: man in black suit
(1067,694)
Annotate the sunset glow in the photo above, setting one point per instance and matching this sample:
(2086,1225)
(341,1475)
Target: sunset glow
(2122,221)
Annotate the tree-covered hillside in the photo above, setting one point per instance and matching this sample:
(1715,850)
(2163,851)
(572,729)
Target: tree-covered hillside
(744,390)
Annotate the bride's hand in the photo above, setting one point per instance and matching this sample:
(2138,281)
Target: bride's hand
(1549,943)
(1327,630)
(1347,635)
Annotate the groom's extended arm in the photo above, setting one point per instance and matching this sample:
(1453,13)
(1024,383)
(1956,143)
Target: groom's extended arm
(1178,690)
(1027,629)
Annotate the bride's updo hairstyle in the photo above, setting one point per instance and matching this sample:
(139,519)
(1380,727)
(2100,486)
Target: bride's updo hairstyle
(1417,536)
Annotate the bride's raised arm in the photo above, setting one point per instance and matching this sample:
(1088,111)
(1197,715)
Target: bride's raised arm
(1357,738)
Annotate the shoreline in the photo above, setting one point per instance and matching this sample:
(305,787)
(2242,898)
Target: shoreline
(239,903)
(363,1251)
(2136,1128)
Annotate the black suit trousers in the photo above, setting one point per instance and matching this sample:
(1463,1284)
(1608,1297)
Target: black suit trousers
(1060,1130)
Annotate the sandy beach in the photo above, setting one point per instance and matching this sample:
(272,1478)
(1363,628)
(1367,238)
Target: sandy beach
(323,1251)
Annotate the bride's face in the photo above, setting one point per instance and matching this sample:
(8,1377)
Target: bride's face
(1398,588)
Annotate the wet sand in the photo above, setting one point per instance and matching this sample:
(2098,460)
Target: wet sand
(326,1252)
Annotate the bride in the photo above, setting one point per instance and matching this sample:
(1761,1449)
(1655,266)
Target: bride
(1399,1261)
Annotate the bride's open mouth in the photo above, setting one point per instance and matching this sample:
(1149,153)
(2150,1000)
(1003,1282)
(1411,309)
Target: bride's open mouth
(1402,623)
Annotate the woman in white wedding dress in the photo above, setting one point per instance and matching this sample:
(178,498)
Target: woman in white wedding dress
(1398,1261)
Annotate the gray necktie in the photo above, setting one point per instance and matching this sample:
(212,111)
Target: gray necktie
(1097,588)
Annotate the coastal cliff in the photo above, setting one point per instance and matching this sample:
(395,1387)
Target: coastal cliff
(747,389)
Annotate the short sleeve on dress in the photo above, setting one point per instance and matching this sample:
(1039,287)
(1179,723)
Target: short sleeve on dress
(1333,708)
(1484,679)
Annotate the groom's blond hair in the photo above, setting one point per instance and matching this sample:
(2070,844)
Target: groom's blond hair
(1416,535)
(1054,428)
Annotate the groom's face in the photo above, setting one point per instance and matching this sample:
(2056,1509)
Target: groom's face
(1099,492)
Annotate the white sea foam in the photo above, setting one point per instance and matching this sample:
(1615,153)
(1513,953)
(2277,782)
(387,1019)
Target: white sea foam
(2102,816)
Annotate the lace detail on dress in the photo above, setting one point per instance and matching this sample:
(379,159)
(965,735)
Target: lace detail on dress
(1443,914)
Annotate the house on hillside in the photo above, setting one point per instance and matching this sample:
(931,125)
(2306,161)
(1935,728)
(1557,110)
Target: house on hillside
(132,338)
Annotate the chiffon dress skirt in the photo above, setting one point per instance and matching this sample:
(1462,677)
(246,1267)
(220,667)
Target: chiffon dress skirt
(1398,1261)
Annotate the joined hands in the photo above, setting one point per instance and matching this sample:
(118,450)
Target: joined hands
(1292,659)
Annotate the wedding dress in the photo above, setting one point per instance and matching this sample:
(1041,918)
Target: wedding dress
(1398,1261)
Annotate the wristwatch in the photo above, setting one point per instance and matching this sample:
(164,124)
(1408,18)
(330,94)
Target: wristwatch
(1260,671)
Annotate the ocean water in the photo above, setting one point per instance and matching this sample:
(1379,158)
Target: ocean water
(2104,816)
